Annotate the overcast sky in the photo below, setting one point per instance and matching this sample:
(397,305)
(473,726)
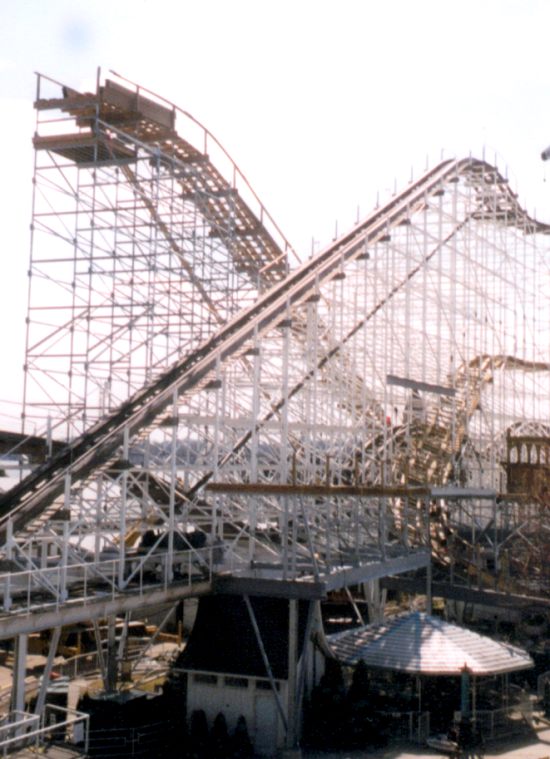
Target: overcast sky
(322,104)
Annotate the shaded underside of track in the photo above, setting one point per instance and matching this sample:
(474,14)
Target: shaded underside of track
(100,444)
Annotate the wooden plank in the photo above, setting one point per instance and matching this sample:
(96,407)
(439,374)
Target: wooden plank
(134,102)
(328,491)
(426,387)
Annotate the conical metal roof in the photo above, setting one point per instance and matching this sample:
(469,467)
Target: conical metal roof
(421,644)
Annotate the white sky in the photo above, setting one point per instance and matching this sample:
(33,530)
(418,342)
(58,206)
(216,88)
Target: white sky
(322,104)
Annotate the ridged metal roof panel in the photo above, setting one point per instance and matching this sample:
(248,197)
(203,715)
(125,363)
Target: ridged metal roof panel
(421,644)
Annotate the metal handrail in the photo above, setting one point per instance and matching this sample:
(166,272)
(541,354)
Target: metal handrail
(40,727)
(153,570)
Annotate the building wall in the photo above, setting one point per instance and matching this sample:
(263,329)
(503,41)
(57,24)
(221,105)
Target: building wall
(238,694)
(235,695)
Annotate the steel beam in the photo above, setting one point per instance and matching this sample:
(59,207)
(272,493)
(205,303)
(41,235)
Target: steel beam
(492,598)
(19,671)
(345,577)
(73,612)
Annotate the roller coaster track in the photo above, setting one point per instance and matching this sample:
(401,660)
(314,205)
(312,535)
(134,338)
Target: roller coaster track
(99,445)
(426,454)
(119,123)
(117,113)
(440,439)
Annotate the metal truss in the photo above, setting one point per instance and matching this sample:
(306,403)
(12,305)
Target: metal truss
(233,423)
(142,249)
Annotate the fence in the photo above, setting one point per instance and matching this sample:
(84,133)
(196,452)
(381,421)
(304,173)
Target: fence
(55,725)
(501,723)
(141,742)
(407,726)
(492,723)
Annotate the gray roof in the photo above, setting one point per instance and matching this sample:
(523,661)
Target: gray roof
(420,644)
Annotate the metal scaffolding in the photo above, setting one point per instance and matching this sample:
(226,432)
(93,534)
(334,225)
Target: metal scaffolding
(141,249)
(234,420)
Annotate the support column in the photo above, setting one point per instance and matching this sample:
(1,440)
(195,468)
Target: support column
(123,481)
(9,557)
(169,574)
(376,600)
(41,698)
(267,665)
(429,567)
(306,668)
(291,742)
(429,604)
(112,663)
(19,671)
(100,656)
(465,692)
(284,448)
(254,444)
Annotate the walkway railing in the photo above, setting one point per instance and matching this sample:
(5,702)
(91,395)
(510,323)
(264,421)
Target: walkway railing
(56,724)
(145,741)
(110,576)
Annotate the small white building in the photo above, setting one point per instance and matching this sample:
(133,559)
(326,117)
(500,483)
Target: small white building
(226,669)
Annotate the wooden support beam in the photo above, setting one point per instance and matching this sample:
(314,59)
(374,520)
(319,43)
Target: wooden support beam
(317,490)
